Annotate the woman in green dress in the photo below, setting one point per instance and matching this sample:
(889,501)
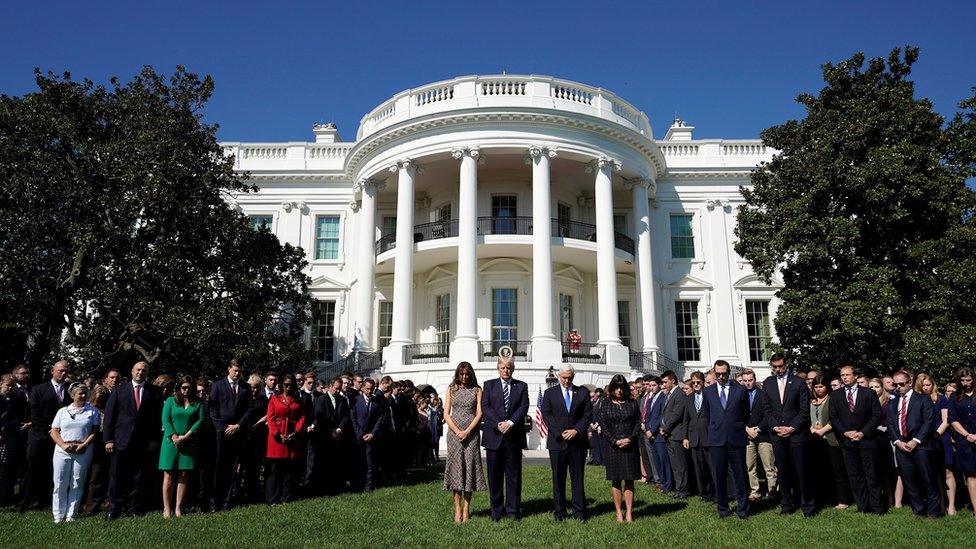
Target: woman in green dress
(182,417)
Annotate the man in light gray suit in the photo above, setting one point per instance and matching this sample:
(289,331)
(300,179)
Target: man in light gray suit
(673,428)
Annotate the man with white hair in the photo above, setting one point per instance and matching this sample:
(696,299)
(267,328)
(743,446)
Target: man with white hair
(566,410)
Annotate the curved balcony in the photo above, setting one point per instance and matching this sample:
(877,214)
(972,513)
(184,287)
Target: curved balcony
(508,226)
(473,92)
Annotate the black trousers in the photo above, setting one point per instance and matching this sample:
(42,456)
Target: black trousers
(252,461)
(505,480)
(724,459)
(314,453)
(861,473)
(280,480)
(678,458)
(573,459)
(130,478)
(97,490)
(38,482)
(842,483)
(225,470)
(703,472)
(791,466)
(921,485)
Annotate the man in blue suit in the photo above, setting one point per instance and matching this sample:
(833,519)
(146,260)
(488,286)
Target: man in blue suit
(367,424)
(230,405)
(652,432)
(133,432)
(504,405)
(566,409)
(910,428)
(726,407)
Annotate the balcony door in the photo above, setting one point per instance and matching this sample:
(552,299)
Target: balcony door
(503,212)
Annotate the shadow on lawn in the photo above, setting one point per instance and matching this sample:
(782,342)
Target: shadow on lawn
(543,506)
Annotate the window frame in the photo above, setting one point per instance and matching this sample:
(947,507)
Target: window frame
(313,249)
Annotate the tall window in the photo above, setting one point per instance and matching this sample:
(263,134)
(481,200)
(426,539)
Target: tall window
(502,207)
(327,237)
(323,330)
(563,217)
(760,337)
(261,221)
(682,237)
(386,323)
(389,225)
(565,315)
(623,322)
(686,327)
(444,212)
(504,316)
(620,224)
(442,322)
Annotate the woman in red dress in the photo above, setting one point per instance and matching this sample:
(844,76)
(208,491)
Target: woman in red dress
(286,421)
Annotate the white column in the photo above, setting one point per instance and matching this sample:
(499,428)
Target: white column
(403,262)
(362,307)
(464,347)
(643,264)
(545,346)
(606,272)
(724,319)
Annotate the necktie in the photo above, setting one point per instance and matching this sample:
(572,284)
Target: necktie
(647,408)
(752,398)
(233,390)
(138,397)
(850,399)
(569,400)
(782,389)
(723,398)
(506,394)
(904,415)
(698,402)
(60,392)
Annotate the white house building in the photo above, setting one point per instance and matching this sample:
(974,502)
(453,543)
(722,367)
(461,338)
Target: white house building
(509,210)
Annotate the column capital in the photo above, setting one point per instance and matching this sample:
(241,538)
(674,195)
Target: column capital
(641,181)
(536,152)
(711,204)
(474,152)
(603,162)
(368,184)
(408,164)
(354,206)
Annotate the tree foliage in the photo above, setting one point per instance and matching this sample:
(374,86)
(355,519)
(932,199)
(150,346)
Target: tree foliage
(866,214)
(118,241)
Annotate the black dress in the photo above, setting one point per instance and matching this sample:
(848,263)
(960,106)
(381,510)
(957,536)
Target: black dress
(619,421)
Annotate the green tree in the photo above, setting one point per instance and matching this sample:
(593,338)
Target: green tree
(866,214)
(118,241)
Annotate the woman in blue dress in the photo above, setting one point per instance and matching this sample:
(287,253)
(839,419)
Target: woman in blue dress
(962,415)
(943,456)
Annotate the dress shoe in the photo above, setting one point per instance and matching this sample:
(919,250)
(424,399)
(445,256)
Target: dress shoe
(787,511)
(743,516)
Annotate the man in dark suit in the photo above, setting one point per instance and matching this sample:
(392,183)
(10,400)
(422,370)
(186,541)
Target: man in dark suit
(332,424)
(855,414)
(256,440)
(673,431)
(696,438)
(132,434)
(651,423)
(566,410)
(787,414)
(504,405)
(44,401)
(230,403)
(726,407)
(367,424)
(910,428)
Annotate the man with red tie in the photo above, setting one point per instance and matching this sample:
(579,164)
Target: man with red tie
(855,414)
(910,428)
(132,433)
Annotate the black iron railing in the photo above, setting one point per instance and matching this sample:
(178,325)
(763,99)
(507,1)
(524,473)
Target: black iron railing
(425,353)
(588,353)
(522,350)
(355,362)
(655,363)
(506,225)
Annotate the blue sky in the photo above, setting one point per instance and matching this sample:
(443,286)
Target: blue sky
(730,68)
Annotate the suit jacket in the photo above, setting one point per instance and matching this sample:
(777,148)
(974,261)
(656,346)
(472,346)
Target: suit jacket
(123,424)
(493,412)
(368,419)
(696,424)
(757,416)
(12,410)
(793,411)
(726,426)
(328,418)
(228,409)
(919,420)
(43,405)
(674,415)
(558,419)
(865,418)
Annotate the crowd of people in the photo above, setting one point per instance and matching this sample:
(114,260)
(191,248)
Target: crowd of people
(124,446)
(802,440)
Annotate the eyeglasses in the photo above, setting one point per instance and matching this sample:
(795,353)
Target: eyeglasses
(902,384)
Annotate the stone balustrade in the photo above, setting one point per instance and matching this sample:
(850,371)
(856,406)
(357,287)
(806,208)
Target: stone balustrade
(288,156)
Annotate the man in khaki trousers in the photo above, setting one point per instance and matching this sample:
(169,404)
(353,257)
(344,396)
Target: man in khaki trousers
(759,450)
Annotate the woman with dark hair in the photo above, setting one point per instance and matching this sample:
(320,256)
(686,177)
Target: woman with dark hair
(462,412)
(12,412)
(182,418)
(101,461)
(943,454)
(620,424)
(825,450)
(884,451)
(962,414)
(286,421)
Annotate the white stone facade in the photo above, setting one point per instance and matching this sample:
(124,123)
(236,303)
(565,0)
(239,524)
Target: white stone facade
(467,171)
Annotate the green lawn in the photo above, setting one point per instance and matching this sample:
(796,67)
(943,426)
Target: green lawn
(421,515)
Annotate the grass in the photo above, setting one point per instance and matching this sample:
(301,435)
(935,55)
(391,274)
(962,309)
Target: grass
(421,514)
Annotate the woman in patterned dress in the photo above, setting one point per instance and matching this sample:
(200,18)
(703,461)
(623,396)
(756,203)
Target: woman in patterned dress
(620,424)
(462,412)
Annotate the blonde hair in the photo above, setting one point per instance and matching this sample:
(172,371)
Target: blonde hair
(883,397)
(918,386)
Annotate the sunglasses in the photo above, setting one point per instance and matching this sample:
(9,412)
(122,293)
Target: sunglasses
(696,382)
(902,384)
